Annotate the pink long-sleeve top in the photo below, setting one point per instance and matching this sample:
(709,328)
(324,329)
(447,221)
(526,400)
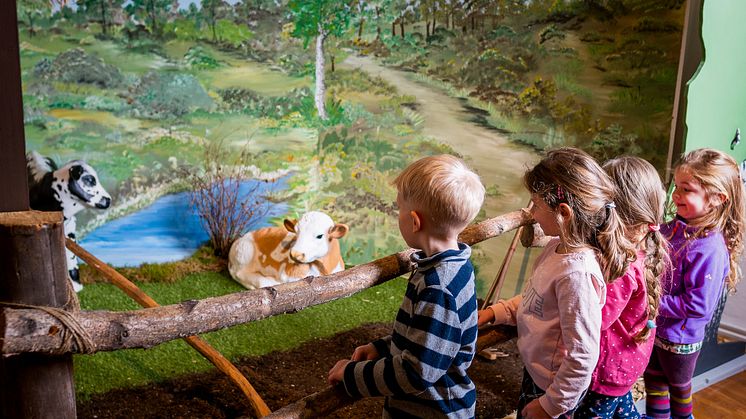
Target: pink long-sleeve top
(622,359)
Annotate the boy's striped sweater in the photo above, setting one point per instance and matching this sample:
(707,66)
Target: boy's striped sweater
(422,365)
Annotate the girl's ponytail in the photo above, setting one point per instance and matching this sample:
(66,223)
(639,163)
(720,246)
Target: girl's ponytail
(616,251)
(656,262)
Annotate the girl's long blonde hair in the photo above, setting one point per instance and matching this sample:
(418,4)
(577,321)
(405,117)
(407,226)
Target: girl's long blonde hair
(570,176)
(641,204)
(718,173)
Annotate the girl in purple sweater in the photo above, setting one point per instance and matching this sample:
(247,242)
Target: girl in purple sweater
(706,241)
(628,316)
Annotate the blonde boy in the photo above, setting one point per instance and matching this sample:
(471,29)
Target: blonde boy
(421,367)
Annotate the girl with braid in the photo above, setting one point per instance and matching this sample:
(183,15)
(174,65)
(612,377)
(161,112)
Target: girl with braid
(706,242)
(559,313)
(628,317)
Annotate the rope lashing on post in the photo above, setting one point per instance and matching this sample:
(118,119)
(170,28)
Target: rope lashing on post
(73,334)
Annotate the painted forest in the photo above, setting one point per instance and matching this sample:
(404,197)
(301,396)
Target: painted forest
(325,101)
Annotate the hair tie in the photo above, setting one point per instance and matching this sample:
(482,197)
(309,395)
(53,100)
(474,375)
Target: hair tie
(654,227)
(650,324)
(610,205)
(560,193)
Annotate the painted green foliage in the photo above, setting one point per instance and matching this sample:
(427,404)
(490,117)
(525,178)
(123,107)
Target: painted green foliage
(101,11)
(31,11)
(153,12)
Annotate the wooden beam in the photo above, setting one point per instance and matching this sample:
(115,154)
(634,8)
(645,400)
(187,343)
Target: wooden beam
(33,272)
(28,330)
(690,57)
(13,183)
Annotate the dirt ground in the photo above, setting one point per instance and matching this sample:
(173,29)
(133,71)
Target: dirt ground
(282,378)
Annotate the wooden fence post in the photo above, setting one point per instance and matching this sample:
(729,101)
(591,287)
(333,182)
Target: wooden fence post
(33,271)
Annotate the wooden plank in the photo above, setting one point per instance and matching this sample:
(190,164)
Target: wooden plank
(722,400)
(690,57)
(13,183)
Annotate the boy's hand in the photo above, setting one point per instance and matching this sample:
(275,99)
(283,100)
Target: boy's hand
(486,316)
(534,410)
(337,373)
(365,353)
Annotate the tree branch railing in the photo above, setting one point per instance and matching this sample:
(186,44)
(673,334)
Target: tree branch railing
(25,330)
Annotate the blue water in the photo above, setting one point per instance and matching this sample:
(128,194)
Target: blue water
(166,231)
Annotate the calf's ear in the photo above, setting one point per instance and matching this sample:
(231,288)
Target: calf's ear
(290,225)
(338,231)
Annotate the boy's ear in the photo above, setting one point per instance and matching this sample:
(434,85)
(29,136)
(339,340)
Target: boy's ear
(416,221)
(564,211)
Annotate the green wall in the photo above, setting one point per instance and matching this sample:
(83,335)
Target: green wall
(717,93)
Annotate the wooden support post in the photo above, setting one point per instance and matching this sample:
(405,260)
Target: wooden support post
(33,271)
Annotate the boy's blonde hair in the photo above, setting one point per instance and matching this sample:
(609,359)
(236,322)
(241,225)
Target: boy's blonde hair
(444,188)
(718,172)
(641,202)
(570,176)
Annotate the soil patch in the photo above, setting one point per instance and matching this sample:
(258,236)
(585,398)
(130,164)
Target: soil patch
(282,378)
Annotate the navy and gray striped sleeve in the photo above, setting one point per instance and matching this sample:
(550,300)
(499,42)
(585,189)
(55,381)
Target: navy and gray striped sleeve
(429,345)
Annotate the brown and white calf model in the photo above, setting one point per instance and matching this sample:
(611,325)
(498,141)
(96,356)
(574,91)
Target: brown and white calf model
(275,255)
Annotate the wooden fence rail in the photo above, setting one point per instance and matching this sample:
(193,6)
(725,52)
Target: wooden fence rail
(35,330)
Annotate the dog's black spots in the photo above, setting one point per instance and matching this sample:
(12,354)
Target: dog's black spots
(71,235)
(76,171)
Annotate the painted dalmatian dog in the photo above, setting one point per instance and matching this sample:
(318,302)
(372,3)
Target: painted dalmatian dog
(70,189)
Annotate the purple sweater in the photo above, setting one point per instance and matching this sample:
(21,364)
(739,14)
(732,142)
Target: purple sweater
(692,290)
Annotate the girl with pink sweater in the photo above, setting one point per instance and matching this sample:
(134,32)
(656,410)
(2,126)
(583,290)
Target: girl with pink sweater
(632,300)
(559,313)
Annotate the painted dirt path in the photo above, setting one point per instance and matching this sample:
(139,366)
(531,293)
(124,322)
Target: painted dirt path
(497,160)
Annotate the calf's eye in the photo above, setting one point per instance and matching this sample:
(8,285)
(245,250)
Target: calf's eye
(320,236)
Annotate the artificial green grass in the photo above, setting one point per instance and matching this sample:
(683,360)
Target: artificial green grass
(105,371)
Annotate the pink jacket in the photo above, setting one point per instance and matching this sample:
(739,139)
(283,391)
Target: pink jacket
(622,360)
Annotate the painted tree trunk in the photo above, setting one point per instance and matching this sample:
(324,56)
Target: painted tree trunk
(378,23)
(320,83)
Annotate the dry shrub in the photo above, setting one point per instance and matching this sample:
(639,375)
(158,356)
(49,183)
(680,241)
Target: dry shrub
(227,205)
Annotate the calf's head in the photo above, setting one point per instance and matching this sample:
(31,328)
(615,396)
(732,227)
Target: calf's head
(314,234)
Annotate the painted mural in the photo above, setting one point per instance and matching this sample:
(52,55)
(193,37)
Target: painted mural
(291,106)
